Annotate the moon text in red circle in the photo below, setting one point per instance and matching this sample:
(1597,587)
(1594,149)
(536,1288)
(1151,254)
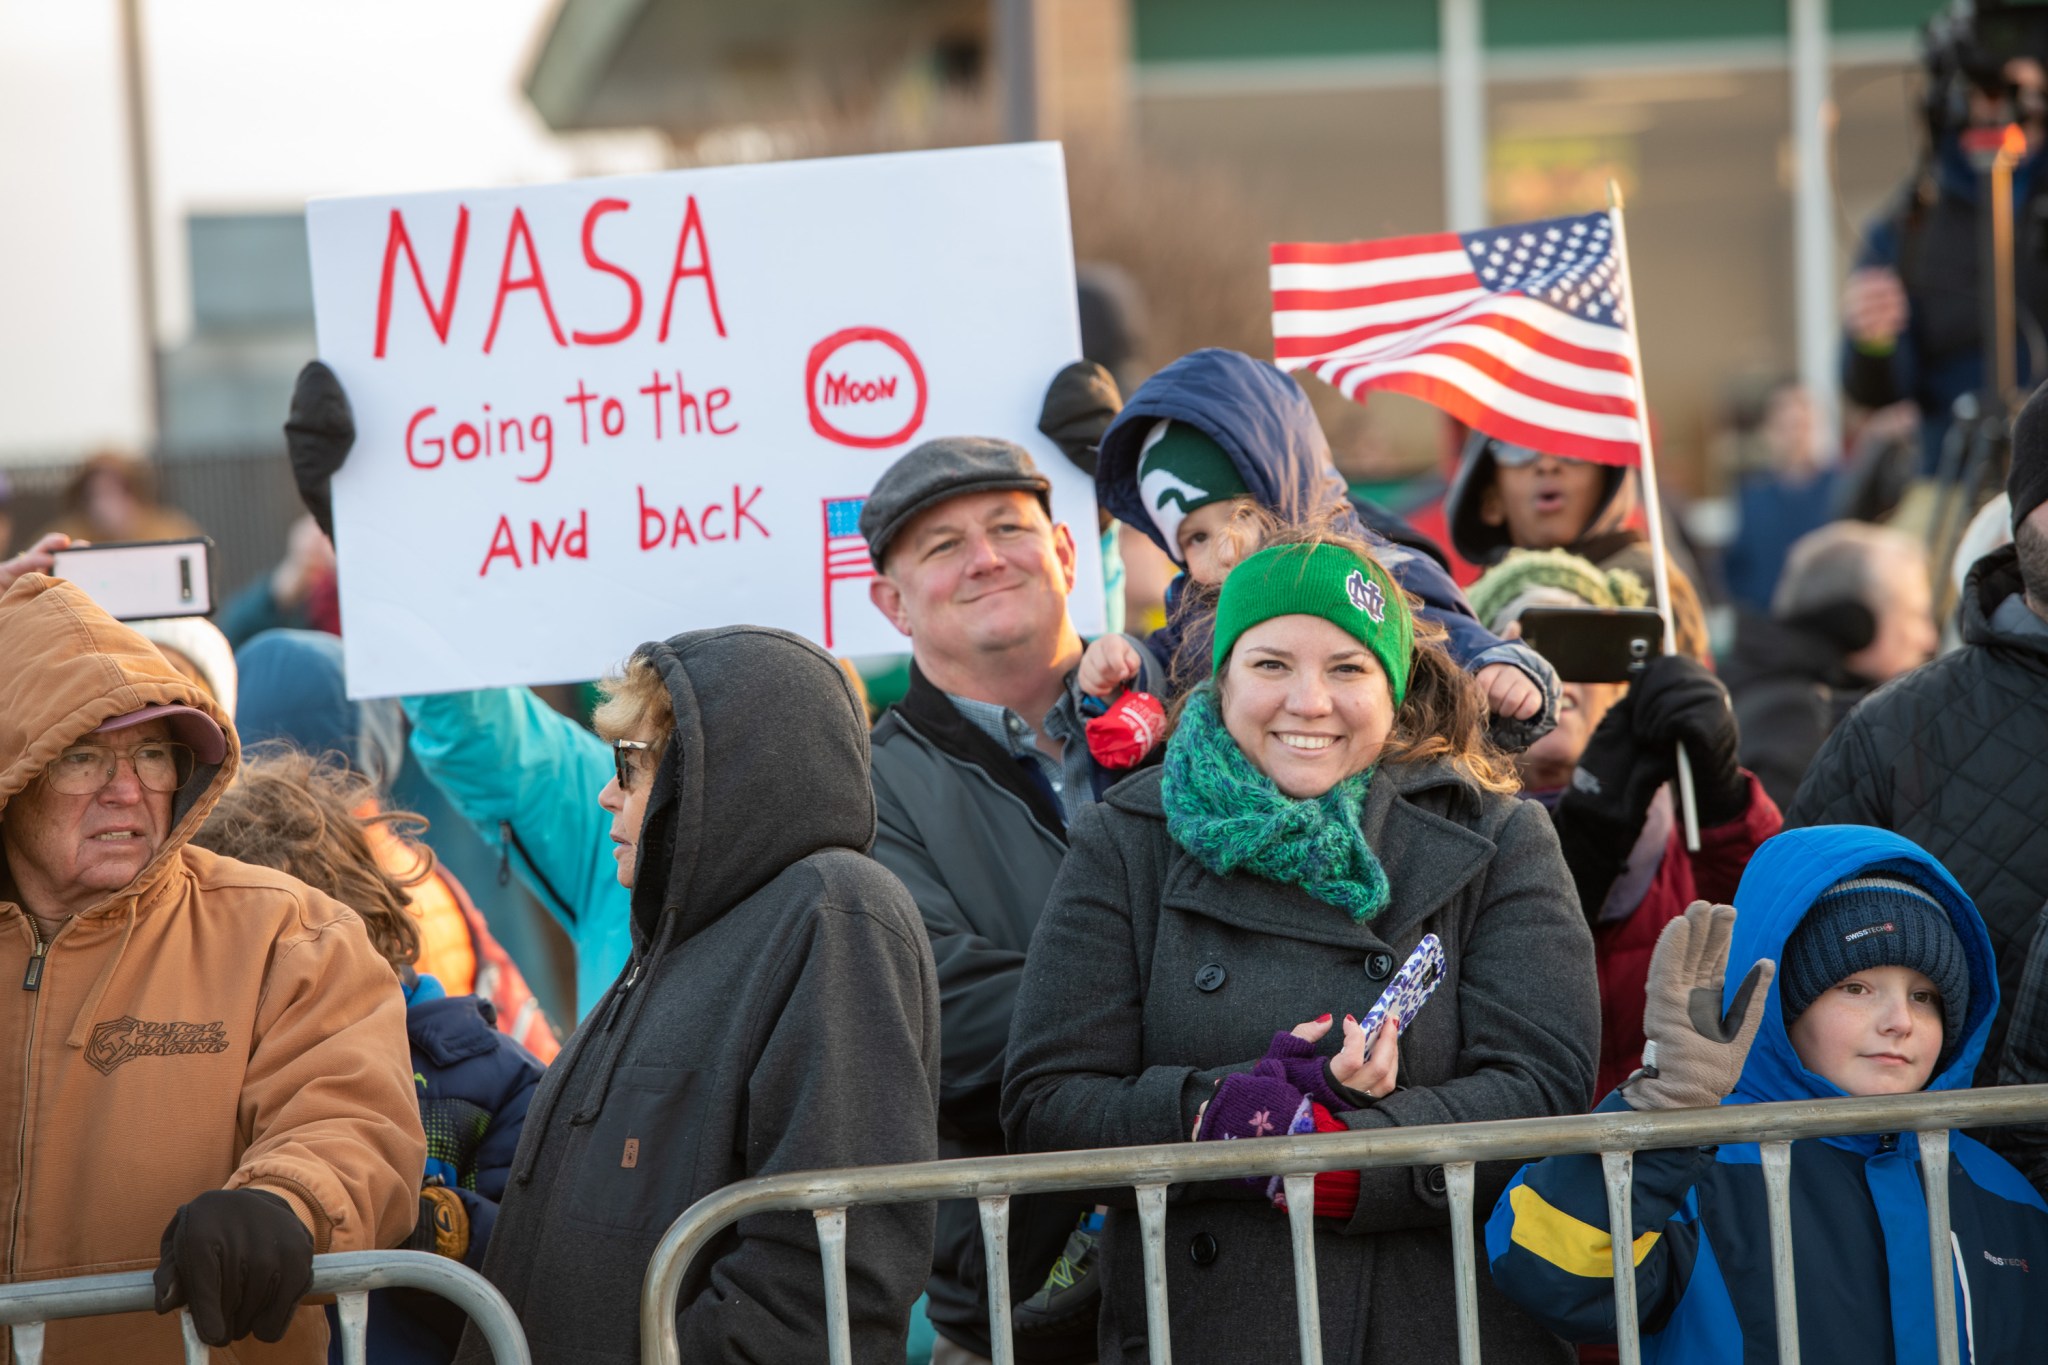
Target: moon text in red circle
(865,388)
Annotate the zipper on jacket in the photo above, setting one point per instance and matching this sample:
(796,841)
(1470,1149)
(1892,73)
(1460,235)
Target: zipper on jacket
(508,839)
(611,1014)
(32,979)
(1887,1142)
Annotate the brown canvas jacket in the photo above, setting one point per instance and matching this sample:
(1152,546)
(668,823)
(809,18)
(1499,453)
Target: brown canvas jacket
(213,1025)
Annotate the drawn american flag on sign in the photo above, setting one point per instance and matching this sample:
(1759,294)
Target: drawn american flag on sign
(1521,332)
(846,550)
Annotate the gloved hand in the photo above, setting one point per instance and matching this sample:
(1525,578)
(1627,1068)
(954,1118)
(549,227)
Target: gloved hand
(1079,406)
(240,1260)
(443,1226)
(318,436)
(1128,731)
(1677,701)
(1247,1105)
(1601,814)
(1693,1055)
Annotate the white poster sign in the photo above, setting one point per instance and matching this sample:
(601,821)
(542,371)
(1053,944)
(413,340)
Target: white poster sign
(594,414)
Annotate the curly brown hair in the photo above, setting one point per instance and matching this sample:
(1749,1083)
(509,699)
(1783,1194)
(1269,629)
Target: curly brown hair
(1444,715)
(306,816)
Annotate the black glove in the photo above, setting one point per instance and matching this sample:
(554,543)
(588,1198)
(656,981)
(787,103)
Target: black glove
(1079,406)
(1677,701)
(318,436)
(240,1260)
(1601,814)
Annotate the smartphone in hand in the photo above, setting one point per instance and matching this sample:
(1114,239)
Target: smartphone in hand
(140,580)
(1411,987)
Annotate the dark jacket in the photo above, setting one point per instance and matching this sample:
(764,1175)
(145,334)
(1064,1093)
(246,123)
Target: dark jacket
(1790,691)
(1151,978)
(1954,756)
(1264,422)
(474,1086)
(978,842)
(1859,1215)
(779,1013)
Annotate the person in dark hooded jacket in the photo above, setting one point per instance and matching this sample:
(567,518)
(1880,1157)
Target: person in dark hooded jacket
(1884,983)
(1507,497)
(780,1013)
(1252,424)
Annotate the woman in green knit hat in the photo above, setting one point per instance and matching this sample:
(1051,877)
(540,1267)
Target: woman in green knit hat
(1328,799)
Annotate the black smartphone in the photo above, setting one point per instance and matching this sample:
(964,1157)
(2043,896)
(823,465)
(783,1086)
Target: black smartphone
(139,580)
(1595,644)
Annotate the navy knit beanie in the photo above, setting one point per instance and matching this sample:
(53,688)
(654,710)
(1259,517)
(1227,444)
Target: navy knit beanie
(1877,921)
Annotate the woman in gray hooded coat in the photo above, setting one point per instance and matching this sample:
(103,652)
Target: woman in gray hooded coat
(1325,802)
(780,1013)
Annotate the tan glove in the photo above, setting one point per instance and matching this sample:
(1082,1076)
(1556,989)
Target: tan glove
(1693,1054)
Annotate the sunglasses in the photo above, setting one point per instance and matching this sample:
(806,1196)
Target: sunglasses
(623,766)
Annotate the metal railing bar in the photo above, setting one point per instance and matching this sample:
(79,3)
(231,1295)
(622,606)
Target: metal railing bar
(832,1249)
(995,1243)
(353,1312)
(344,1272)
(1458,1185)
(196,1351)
(1152,1221)
(1301,1229)
(1516,1140)
(1934,1174)
(28,1344)
(1619,1170)
(1777,1161)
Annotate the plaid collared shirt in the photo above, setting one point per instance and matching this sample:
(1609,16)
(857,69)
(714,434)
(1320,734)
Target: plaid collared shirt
(1071,776)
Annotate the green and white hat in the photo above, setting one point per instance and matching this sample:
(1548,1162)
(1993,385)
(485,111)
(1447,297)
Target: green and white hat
(1351,591)
(1179,470)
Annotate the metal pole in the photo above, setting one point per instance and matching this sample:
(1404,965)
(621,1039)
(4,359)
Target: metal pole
(1653,502)
(1813,229)
(142,199)
(1017,50)
(1462,40)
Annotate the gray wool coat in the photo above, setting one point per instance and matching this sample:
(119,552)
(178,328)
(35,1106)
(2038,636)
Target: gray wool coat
(1149,979)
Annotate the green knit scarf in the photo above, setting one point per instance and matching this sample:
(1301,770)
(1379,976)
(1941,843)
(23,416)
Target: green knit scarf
(1232,818)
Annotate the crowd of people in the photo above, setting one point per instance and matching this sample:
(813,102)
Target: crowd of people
(1010,916)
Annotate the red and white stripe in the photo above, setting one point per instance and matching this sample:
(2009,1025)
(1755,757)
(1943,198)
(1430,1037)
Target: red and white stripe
(1409,315)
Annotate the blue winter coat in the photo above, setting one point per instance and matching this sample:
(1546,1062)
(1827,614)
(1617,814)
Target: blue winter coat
(1264,422)
(474,1086)
(528,778)
(1859,1218)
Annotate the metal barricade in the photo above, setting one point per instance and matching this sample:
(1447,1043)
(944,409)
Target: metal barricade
(1615,1137)
(350,1275)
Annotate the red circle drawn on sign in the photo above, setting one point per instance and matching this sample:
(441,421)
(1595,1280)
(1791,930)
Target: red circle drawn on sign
(823,352)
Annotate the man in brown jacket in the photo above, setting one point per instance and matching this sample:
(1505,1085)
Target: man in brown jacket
(204,1068)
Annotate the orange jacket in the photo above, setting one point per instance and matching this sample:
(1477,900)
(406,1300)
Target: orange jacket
(212,1025)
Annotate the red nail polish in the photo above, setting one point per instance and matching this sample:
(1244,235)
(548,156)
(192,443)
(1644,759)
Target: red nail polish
(1323,1019)
(1350,1018)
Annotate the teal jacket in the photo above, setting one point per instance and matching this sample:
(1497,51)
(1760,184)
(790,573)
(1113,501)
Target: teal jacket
(528,778)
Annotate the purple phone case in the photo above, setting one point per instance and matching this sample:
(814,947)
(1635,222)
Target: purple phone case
(1411,986)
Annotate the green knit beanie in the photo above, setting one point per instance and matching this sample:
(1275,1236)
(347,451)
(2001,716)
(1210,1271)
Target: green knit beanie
(1525,570)
(1350,591)
(1179,470)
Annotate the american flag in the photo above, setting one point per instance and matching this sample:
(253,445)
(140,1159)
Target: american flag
(846,550)
(1521,332)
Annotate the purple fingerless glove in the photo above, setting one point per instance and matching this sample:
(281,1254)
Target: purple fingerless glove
(1294,1060)
(1248,1105)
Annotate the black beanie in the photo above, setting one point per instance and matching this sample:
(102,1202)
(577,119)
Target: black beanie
(1877,921)
(2027,484)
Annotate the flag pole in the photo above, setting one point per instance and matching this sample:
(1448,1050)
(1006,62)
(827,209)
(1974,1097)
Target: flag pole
(1653,505)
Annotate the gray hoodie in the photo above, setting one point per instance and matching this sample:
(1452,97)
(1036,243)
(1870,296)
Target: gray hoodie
(780,1013)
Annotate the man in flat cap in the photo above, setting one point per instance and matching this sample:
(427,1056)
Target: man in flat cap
(977,771)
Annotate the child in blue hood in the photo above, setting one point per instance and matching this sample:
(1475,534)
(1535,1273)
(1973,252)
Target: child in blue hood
(1873,975)
(1204,452)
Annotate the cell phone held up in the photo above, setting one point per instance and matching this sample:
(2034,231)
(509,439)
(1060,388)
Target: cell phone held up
(1411,987)
(141,580)
(1594,644)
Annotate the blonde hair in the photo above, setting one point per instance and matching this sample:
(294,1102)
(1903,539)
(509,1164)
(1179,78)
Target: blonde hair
(635,699)
(1444,715)
(308,817)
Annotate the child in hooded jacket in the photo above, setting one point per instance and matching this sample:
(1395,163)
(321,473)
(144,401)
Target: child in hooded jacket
(1873,975)
(290,811)
(1209,452)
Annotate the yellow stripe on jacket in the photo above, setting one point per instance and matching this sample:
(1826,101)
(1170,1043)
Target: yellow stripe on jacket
(1575,1247)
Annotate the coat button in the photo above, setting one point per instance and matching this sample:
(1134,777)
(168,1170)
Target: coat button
(1202,1249)
(1434,1179)
(1210,977)
(1379,966)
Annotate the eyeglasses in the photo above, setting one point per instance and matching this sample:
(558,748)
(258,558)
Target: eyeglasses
(1514,456)
(86,769)
(622,766)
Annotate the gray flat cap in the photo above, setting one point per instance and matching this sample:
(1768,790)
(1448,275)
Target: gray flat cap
(946,468)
